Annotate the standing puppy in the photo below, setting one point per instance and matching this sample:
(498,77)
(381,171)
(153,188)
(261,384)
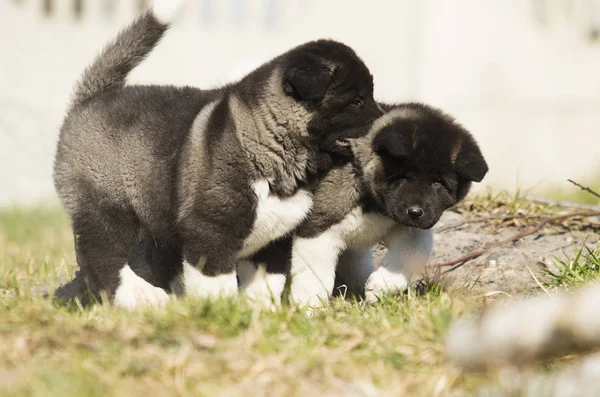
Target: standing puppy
(209,175)
(415,163)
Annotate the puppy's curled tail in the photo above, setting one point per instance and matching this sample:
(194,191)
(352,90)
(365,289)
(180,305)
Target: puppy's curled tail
(126,51)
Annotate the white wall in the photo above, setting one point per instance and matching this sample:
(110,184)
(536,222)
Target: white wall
(528,91)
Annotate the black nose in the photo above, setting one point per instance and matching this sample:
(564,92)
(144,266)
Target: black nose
(415,212)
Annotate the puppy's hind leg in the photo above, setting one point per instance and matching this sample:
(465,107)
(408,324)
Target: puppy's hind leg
(353,269)
(81,287)
(105,236)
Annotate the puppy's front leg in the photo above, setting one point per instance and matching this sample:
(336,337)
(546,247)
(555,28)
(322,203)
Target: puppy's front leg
(409,250)
(209,257)
(263,277)
(213,225)
(209,278)
(313,269)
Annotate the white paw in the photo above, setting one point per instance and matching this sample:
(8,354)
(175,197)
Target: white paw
(382,281)
(135,292)
(309,301)
(263,302)
(166,11)
(313,269)
(198,285)
(308,290)
(264,290)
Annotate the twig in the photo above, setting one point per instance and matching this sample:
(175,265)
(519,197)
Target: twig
(489,218)
(492,293)
(516,237)
(476,220)
(587,189)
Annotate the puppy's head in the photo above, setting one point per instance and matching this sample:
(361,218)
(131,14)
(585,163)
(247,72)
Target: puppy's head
(417,162)
(336,89)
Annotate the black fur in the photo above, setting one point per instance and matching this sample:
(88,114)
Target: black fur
(428,161)
(126,155)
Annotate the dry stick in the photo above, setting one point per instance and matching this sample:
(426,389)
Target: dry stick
(476,220)
(516,237)
(587,189)
(487,218)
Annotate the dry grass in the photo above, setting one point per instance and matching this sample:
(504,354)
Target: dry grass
(395,347)
(502,210)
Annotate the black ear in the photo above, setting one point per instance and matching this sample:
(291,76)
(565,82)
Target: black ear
(307,81)
(390,141)
(469,163)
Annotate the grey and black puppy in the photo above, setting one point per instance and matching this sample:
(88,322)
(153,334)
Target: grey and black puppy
(415,163)
(209,175)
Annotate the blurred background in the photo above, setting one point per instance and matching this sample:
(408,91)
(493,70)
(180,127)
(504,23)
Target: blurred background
(522,75)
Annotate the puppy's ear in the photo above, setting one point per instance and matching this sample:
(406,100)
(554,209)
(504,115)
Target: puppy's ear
(469,163)
(308,80)
(390,141)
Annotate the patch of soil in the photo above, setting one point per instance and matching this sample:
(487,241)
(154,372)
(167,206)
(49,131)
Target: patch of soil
(508,268)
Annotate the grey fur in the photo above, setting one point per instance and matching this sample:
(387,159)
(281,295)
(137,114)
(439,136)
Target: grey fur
(334,197)
(112,66)
(177,164)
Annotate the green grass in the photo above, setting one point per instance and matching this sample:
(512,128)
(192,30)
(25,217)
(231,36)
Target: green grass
(572,271)
(197,348)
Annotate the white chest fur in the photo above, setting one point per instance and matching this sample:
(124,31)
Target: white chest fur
(275,217)
(314,259)
(358,229)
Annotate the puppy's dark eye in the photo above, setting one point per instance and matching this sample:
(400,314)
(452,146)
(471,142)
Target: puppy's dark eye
(358,101)
(440,182)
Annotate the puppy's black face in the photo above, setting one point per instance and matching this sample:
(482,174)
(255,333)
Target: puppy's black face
(336,87)
(422,163)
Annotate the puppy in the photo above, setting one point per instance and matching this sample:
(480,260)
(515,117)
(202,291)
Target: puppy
(208,175)
(414,163)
